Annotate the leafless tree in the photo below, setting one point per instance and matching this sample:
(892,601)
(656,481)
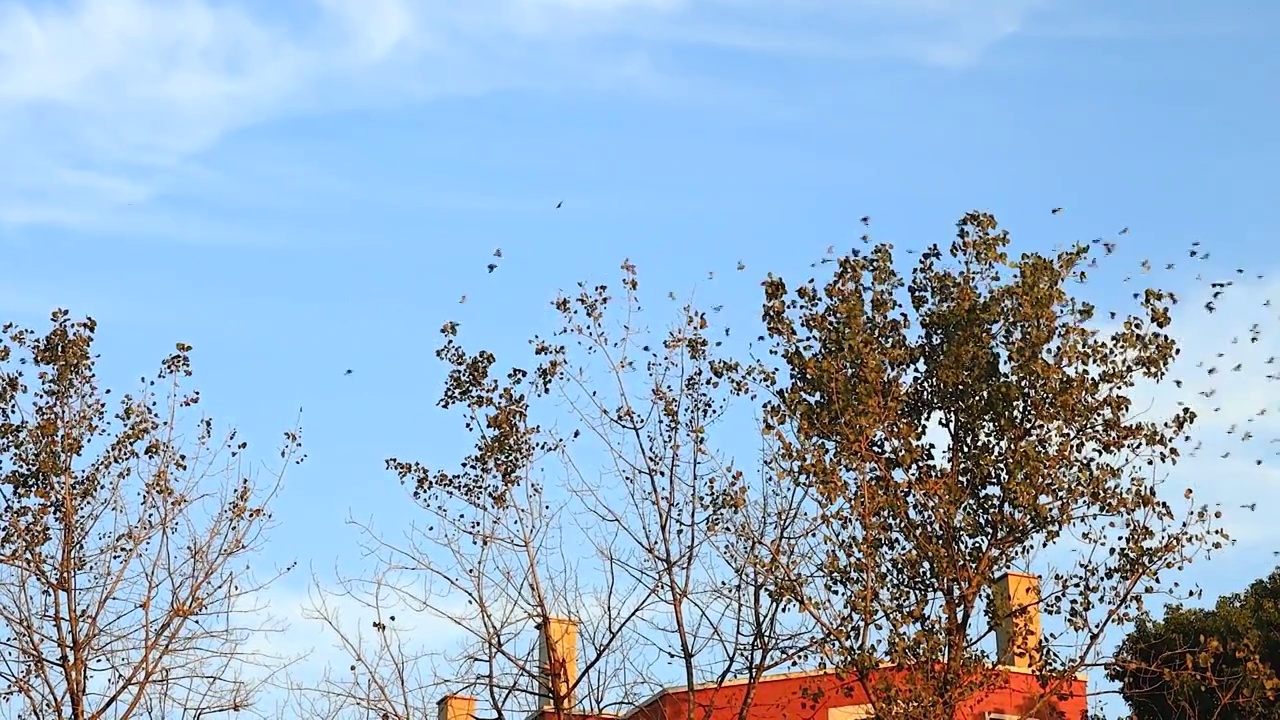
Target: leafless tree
(456,607)
(592,494)
(126,540)
(387,673)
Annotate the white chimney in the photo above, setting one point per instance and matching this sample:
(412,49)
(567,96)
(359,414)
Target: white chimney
(558,661)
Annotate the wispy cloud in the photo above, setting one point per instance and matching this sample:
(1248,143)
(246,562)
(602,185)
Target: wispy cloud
(102,101)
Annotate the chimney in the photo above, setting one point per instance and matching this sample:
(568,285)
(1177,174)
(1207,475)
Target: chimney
(456,707)
(1017,612)
(558,661)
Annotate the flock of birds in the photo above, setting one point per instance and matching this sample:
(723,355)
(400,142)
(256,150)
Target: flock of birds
(1202,379)
(1226,375)
(493,265)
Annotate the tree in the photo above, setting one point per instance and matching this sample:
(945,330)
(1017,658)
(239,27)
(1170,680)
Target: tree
(125,541)
(923,433)
(387,676)
(591,493)
(1207,664)
(958,422)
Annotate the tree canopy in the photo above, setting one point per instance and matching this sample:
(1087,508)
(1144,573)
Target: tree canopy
(1217,663)
(972,417)
(922,432)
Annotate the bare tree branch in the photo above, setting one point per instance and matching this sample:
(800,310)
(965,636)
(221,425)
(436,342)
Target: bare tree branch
(125,585)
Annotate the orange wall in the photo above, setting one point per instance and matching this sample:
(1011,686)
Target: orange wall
(785,699)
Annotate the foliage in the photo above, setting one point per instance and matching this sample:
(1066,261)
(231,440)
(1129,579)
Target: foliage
(951,425)
(1216,663)
(593,492)
(958,423)
(124,541)
(922,433)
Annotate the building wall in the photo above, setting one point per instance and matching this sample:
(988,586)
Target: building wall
(793,698)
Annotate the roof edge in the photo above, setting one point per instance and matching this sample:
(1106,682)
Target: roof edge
(673,689)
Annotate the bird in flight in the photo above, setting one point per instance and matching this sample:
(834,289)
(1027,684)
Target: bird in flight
(348,372)
(1056,211)
(559,204)
(493,266)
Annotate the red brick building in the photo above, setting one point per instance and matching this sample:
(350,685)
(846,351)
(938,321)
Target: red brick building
(790,696)
(784,697)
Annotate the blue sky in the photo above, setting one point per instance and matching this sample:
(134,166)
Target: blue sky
(301,187)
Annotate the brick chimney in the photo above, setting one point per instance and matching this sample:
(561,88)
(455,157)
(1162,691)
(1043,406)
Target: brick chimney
(1017,614)
(558,661)
(456,707)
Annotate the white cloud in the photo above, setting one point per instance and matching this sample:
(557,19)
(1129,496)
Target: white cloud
(102,100)
(311,636)
(326,631)
(99,98)
(933,32)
